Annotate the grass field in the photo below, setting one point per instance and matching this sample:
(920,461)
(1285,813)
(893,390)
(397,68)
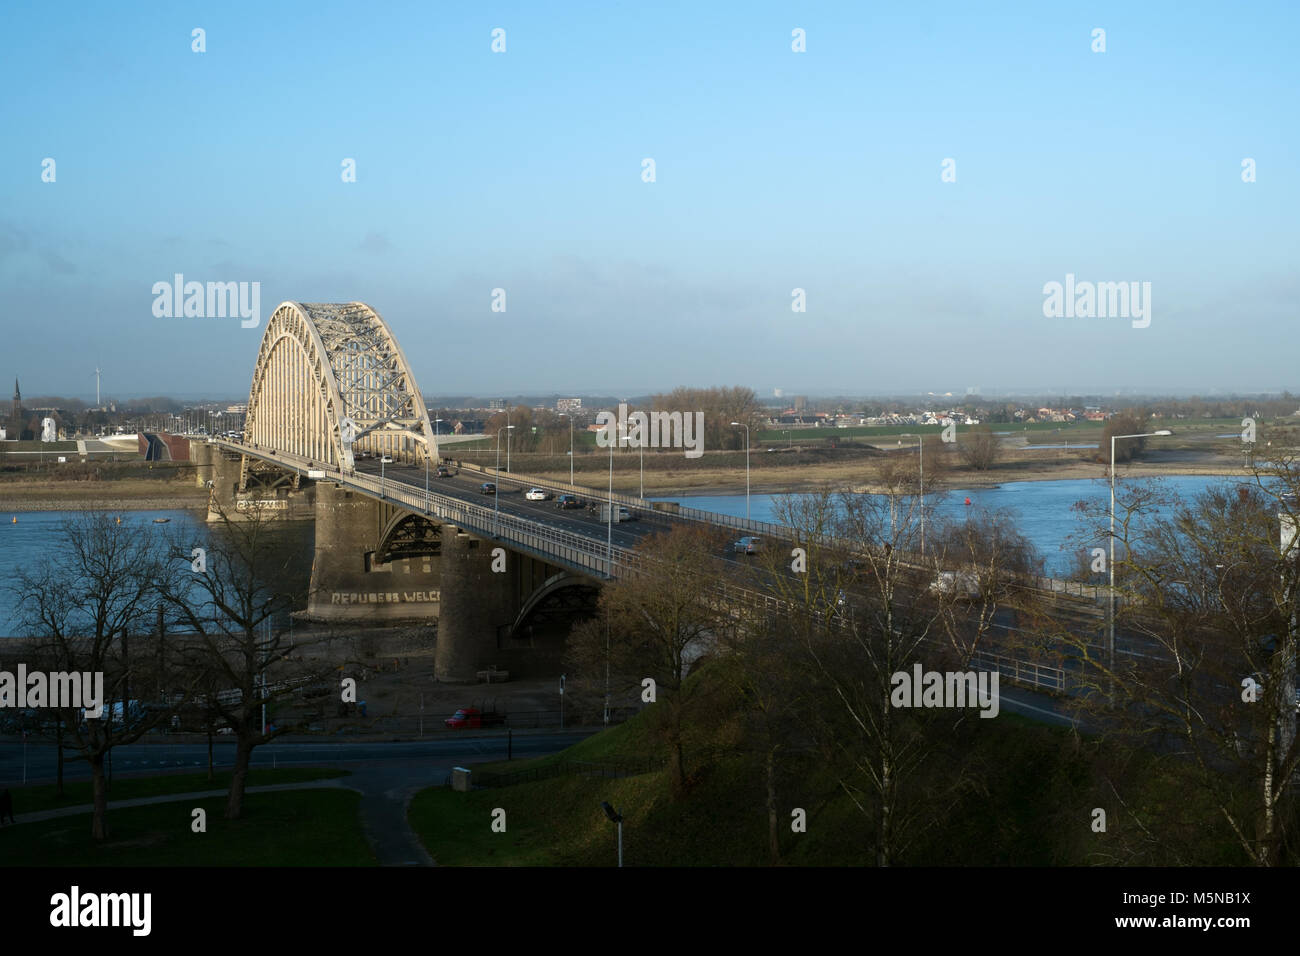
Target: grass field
(289,828)
(31,799)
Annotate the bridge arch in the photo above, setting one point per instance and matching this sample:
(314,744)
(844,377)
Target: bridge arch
(409,535)
(322,363)
(563,594)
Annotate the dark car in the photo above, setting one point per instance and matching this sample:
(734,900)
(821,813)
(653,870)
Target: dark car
(568,501)
(487,488)
(443,472)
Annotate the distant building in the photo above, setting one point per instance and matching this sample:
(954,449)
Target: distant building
(568,405)
(496,404)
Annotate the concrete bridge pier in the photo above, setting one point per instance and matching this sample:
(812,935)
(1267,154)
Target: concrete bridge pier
(476,604)
(373,562)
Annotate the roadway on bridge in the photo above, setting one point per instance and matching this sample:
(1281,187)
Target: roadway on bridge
(465,487)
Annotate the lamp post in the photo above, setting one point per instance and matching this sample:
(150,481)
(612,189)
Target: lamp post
(920,446)
(746,427)
(1110,616)
(609,517)
(426,463)
(616,818)
(496,488)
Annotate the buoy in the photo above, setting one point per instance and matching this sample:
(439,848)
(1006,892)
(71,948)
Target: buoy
(967,501)
(119,520)
(15,521)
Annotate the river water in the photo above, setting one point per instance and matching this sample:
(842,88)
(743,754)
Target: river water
(35,533)
(1043,512)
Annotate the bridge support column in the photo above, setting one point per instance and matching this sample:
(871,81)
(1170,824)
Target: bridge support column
(476,603)
(224,473)
(349,581)
(203,455)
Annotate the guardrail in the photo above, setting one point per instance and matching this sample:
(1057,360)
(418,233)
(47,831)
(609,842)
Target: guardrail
(642,504)
(1025,673)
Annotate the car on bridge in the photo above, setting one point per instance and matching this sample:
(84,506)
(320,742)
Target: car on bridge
(537,494)
(442,472)
(385,460)
(748,545)
(487,488)
(568,501)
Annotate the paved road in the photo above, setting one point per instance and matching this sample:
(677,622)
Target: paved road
(437,756)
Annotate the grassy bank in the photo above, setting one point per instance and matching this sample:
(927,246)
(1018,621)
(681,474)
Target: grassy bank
(290,828)
(1026,777)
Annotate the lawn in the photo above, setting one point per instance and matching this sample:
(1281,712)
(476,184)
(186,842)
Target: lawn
(289,828)
(77,793)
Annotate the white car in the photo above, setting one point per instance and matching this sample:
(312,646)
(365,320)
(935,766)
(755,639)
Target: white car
(748,545)
(537,494)
(386,460)
(965,584)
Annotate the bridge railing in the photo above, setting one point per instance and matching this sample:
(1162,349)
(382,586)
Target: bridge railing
(587,552)
(576,549)
(631,501)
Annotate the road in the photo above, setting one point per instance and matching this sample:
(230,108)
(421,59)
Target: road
(433,758)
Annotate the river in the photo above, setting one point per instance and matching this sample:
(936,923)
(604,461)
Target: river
(1042,510)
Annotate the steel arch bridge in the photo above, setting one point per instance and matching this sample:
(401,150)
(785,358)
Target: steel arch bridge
(330,372)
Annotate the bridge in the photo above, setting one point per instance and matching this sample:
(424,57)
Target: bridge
(337,431)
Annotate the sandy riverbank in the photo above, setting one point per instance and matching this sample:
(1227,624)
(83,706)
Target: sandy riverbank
(815,479)
(126,495)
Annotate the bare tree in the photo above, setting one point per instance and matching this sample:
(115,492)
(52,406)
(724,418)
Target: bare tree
(656,621)
(1205,671)
(979,448)
(231,592)
(98,584)
(987,566)
(861,614)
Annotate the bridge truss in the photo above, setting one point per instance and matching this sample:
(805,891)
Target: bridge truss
(327,372)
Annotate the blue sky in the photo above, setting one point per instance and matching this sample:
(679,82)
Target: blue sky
(775,170)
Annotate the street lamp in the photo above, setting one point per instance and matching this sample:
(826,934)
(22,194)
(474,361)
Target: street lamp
(1110,616)
(426,463)
(746,427)
(496,490)
(609,517)
(616,818)
(920,446)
